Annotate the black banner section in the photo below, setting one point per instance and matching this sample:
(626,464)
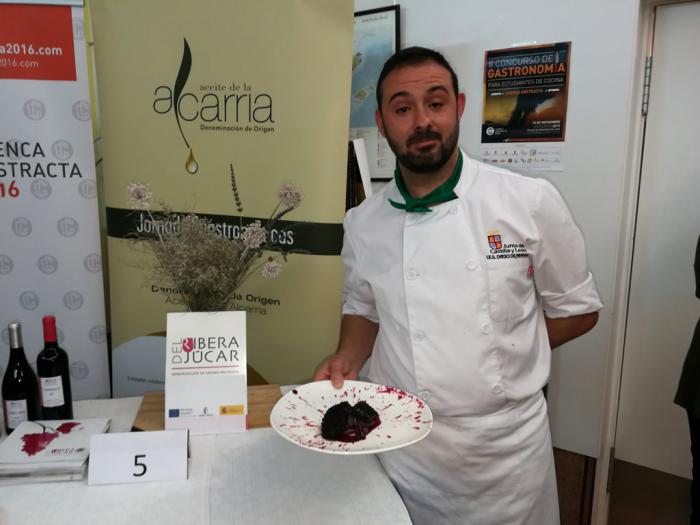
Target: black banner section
(308,237)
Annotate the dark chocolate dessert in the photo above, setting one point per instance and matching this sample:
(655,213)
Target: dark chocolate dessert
(344,422)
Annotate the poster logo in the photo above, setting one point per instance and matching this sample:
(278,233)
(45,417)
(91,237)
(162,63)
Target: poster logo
(29,300)
(81,110)
(210,351)
(6,264)
(498,249)
(98,334)
(47,264)
(21,227)
(93,263)
(231,410)
(87,189)
(40,188)
(79,370)
(215,106)
(495,241)
(67,226)
(34,109)
(73,300)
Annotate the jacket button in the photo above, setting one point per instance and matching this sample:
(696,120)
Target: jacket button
(486,328)
(471,265)
(497,389)
(411,275)
(419,336)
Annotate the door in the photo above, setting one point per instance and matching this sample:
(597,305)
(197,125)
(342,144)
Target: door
(652,458)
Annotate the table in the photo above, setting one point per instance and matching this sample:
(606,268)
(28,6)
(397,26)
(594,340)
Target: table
(254,477)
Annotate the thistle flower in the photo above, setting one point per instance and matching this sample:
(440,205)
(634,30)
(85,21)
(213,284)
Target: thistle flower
(205,266)
(290,196)
(271,269)
(254,236)
(139,195)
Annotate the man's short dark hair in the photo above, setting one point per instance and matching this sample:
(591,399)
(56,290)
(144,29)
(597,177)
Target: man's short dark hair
(412,56)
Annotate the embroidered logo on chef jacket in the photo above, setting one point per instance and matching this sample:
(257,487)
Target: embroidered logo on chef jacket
(500,249)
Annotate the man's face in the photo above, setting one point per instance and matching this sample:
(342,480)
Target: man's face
(420,116)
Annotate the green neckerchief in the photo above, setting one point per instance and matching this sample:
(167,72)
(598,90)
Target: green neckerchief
(444,192)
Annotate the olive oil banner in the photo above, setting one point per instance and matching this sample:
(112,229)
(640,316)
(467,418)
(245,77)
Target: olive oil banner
(190,92)
(50,255)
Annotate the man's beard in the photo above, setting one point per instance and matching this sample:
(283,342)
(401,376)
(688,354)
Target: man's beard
(429,161)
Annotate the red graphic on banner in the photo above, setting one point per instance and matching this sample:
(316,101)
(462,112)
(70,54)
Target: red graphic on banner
(36,42)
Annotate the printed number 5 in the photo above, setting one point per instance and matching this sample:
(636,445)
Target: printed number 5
(137,464)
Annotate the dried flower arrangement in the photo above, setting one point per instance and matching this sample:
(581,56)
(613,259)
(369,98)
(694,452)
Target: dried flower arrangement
(206,267)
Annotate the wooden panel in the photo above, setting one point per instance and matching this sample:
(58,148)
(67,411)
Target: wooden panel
(575,476)
(644,496)
(261,399)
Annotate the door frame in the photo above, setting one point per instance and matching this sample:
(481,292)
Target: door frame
(628,220)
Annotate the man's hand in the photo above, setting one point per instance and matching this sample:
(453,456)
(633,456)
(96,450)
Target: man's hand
(337,369)
(357,335)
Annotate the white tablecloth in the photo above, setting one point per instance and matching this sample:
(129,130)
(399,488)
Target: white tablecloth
(255,477)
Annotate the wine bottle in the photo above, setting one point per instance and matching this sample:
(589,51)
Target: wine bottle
(20,394)
(54,375)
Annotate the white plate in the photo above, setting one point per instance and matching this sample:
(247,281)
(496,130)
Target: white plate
(405,419)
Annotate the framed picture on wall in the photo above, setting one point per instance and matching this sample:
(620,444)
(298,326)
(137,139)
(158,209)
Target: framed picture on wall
(376,38)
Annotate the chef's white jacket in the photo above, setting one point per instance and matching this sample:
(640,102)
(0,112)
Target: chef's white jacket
(460,295)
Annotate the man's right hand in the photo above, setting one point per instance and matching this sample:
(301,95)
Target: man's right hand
(357,335)
(336,368)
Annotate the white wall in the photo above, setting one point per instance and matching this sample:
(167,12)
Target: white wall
(604,39)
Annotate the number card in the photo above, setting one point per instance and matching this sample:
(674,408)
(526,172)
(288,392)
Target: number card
(136,457)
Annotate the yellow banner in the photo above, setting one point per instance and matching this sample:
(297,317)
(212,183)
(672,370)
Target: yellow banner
(189,91)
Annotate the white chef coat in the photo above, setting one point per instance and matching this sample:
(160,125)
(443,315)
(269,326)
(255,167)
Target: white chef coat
(460,295)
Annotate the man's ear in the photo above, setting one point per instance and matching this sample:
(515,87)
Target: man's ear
(461,104)
(380,122)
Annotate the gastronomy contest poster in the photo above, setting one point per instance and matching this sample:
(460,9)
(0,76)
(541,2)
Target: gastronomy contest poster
(188,90)
(525,93)
(50,254)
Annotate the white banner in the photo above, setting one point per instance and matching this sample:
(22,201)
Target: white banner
(50,256)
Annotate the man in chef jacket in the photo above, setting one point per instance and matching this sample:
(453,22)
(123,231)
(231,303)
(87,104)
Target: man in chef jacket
(460,277)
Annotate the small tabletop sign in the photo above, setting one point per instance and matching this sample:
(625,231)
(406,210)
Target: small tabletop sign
(134,457)
(205,372)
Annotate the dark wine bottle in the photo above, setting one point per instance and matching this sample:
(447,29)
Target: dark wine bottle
(20,393)
(54,375)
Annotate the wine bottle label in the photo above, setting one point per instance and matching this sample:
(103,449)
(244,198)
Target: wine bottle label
(16,412)
(52,392)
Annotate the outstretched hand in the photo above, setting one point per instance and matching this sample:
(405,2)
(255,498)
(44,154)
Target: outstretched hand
(336,368)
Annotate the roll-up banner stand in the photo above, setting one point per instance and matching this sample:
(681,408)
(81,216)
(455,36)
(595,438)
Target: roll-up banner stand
(50,256)
(189,90)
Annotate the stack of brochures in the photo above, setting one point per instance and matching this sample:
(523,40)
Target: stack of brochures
(39,451)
